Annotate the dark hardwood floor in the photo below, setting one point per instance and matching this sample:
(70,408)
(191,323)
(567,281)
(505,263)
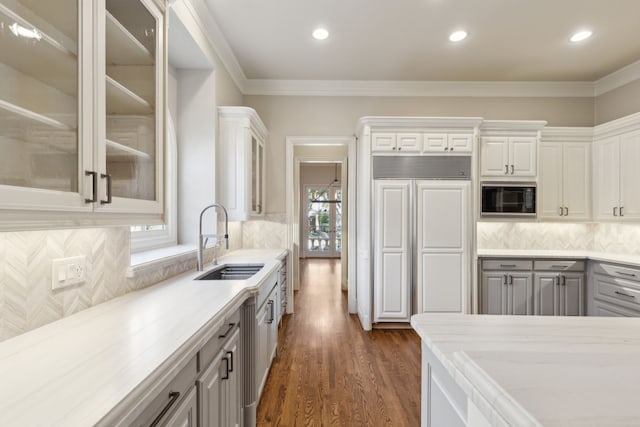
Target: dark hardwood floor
(329,372)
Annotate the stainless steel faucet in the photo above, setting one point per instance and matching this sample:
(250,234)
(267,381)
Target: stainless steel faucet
(203,238)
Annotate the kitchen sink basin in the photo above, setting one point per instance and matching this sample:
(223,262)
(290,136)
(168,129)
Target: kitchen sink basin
(231,272)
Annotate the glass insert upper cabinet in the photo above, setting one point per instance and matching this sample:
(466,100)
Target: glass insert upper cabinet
(81,109)
(241,162)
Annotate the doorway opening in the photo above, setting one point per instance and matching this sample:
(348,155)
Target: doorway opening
(321,210)
(320,178)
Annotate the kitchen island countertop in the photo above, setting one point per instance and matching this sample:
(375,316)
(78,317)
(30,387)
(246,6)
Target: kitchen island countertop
(541,370)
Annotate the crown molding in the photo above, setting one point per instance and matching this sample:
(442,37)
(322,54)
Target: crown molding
(625,124)
(202,16)
(417,88)
(618,78)
(567,134)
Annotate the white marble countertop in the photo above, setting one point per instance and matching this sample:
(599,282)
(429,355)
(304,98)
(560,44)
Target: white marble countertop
(541,370)
(569,254)
(80,370)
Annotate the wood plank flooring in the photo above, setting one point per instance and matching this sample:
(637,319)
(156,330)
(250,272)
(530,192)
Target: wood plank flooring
(329,372)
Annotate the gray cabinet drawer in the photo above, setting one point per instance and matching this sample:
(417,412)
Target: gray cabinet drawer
(507,264)
(558,265)
(617,271)
(603,309)
(181,383)
(618,290)
(213,346)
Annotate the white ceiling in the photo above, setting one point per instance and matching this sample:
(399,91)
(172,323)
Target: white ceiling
(407,40)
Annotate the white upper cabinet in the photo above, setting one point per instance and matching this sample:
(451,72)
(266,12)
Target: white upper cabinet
(241,162)
(448,143)
(508,149)
(565,174)
(392,142)
(82,112)
(616,174)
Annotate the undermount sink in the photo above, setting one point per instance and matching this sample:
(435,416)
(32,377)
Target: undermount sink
(231,272)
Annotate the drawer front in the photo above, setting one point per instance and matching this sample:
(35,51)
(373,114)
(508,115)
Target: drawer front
(507,264)
(181,383)
(603,309)
(614,270)
(622,291)
(409,142)
(213,346)
(558,265)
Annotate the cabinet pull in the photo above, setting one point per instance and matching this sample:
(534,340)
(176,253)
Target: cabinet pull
(447,148)
(510,279)
(615,211)
(624,295)
(622,273)
(399,148)
(559,266)
(564,280)
(451,148)
(173,398)
(561,211)
(393,148)
(271,316)
(504,278)
(109,182)
(556,281)
(621,207)
(566,211)
(226,369)
(230,354)
(512,169)
(231,325)
(94,181)
(507,265)
(506,169)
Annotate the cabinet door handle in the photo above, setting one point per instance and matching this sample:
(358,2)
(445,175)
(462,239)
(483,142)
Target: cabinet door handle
(504,280)
(173,398)
(561,211)
(622,273)
(624,295)
(566,211)
(564,280)
(512,169)
(506,169)
(621,207)
(393,148)
(615,211)
(270,304)
(226,368)
(510,279)
(230,354)
(231,325)
(559,266)
(399,148)
(556,281)
(447,148)
(451,148)
(109,186)
(94,184)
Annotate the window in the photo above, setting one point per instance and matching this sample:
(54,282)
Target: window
(146,237)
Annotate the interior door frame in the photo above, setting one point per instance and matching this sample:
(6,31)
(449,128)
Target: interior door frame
(292,195)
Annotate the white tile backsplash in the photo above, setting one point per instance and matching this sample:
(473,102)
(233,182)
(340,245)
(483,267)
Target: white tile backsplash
(601,237)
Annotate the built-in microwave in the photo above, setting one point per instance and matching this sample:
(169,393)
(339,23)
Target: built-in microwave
(501,199)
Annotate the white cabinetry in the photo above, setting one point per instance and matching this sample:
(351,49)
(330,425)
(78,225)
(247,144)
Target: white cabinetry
(448,143)
(83,118)
(442,246)
(392,295)
(508,149)
(241,162)
(393,142)
(564,188)
(615,290)
(616,152)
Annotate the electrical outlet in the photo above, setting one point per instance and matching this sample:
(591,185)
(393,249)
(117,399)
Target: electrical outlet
(68,271)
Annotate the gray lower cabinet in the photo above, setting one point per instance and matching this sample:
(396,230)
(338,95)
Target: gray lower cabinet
(507,292)
(219,391)
(186,414)
(506,287)
(267,337)
(615,290)
(532,287)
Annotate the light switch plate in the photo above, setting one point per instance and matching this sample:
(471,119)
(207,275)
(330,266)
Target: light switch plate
(68,271)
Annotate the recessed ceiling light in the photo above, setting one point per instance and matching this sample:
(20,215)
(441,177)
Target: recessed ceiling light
(457,36)
(580,36)
(320,34)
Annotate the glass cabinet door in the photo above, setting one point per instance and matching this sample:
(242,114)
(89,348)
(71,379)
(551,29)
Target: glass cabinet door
(133,102)
(39,98)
